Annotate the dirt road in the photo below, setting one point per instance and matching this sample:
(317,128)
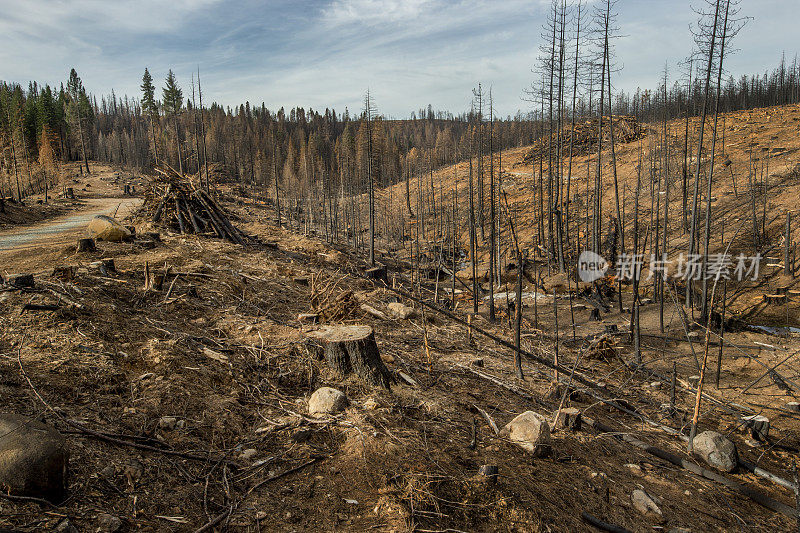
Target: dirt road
(67,228)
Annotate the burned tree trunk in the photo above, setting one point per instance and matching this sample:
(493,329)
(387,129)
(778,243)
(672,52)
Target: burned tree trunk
(352,349)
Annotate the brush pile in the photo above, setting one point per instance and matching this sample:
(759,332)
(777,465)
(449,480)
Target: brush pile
(582,139)
(176,204)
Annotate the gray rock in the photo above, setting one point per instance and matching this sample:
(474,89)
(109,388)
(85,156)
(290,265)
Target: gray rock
(327,401)
(401,311)
(107,523)
(530,431)
(644,503)
(65,526)
(33,458)
(716,450)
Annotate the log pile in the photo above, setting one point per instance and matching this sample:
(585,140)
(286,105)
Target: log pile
(583,137)
(176,204)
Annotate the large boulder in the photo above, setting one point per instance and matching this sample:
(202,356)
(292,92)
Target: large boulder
(530,431)
(33,458)
(105,228)
(716,450)
(327,401)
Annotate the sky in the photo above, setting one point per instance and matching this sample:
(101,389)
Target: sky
(327,53)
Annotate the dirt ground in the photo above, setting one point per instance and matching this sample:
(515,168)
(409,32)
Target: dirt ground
(196,395)
(186,407)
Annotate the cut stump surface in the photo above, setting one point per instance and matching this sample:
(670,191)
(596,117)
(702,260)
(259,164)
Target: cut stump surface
(352,349)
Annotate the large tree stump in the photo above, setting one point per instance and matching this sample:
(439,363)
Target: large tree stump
(352,349)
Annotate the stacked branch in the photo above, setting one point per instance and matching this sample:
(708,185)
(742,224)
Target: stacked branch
(581,138)
(185,208)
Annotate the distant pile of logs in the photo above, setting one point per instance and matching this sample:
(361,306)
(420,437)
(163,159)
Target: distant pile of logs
(178,205)
(583,137)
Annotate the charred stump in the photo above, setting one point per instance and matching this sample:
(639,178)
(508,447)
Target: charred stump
(352,350)
(86,245)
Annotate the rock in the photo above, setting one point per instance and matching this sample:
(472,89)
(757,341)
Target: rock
(65,526)
(107,523)
(635,469)
(793,406)
(644,503)
(401,311)
(33,458)
(370,404)
(168,422)
(716,450)
(308,318)
(489,471)
(105,228)
(248,454)
(694,380)
(530,431)
(327,401)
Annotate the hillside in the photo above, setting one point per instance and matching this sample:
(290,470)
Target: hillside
(186,408)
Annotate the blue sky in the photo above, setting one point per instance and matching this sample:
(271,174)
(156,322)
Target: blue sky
(326,53)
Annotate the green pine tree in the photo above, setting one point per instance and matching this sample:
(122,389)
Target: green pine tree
(150,107)
(173,102)
(78,104)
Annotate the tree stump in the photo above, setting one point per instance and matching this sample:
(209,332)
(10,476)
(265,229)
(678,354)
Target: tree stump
(377,273)
(86,245)
(69,193)
(569,418)
(352,349)
(757,425)
(22,281)
(105,266)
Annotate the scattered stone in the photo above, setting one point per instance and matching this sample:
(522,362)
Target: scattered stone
(33,458)
(694,380)
(490,472)
(635,469)
(107,523)
(327,401)
(716,450)
(655,384)
(65,526)
(401,311)
(569,418)
(105,228)
(308,318)
(133,471)
(530,431)
(248,454)
(109,472)
(644,503)
(167,422)
(370,404)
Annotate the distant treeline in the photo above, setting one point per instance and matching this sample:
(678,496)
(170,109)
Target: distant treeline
(299,150)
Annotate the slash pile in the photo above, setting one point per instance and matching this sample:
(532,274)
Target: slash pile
(582,138)
(175,203)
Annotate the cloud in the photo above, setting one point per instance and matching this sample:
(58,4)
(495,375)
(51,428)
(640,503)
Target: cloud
(372,12)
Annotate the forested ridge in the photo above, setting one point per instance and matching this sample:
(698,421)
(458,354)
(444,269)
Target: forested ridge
(42,126)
